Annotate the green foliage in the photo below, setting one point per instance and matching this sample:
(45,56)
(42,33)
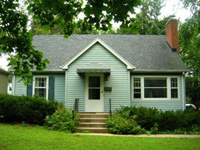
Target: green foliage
(25,109)
(147,21)
(38,29)
(120,123)
(145,117)
(189,47)
(14,37)
(62,120)
(59,14)
(154,121)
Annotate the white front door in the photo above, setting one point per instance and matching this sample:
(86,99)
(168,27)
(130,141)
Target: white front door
(94,91)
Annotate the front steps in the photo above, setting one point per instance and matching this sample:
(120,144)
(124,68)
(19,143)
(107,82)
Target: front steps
(92,122)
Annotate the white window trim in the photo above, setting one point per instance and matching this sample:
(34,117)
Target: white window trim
(168,88)
(47,85)
(178,88)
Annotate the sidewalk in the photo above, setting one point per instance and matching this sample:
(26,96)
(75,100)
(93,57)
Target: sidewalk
(144,135)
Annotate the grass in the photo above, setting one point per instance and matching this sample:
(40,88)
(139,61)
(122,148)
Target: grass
(16,137)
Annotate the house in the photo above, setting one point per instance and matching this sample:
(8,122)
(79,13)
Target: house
(3,81)
(110,71)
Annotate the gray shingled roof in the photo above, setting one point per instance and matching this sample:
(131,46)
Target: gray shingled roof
(145,52)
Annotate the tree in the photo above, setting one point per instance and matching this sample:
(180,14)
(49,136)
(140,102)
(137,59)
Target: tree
(147,21)
(14,36)
(190,50)
(38,29)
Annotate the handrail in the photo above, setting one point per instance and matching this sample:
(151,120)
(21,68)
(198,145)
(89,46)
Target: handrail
(75,109)
(110,106)
(76,104)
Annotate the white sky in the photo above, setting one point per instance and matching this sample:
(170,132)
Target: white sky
(171,7)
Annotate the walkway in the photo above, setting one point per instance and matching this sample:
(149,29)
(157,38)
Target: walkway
(145,135)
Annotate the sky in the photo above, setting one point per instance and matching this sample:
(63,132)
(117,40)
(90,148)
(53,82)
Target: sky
(171,7)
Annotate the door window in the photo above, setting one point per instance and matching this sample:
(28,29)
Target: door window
(94,88)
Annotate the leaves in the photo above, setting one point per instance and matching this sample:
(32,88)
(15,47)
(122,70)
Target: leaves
(189,36)
(15,38)
(57,14)
(147,21)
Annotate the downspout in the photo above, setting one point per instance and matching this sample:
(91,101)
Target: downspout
(13,84)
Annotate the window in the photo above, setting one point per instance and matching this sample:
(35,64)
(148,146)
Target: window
(40,87)
(94,88)
(137,88)
(174,88)
(155,87)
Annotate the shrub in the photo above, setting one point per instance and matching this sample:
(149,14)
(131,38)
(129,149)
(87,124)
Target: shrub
(171,120)
(145,117)
(25,109)
(154,121)
(62,120)
(119,124)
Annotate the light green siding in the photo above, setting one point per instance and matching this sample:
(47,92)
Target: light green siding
(170,104)
(19,87)
(59,86)
(118,79)
(3,83)
(59,89)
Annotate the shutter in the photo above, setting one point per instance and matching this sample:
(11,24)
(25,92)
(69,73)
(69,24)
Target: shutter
(51,87)
(29,88)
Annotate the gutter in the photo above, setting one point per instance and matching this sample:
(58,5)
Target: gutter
(157,71)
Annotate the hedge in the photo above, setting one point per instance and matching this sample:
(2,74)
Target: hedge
(154,120)
(25,109)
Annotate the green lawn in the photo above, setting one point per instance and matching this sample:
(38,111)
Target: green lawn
(15,137)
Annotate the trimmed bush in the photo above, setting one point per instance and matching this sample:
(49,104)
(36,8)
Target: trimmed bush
(120,123)
(62,120)
(154,120)
(25,109)
(145,117)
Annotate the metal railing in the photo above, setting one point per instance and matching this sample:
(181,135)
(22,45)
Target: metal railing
(75,109)
(110,106)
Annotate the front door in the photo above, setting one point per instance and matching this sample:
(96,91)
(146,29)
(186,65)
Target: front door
(94,90)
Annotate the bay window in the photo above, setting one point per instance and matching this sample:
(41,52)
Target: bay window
(155,88)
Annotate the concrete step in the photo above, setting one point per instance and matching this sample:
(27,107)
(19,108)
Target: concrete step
(93,130)
(94,113)
(95,120)
(93,116)
(92,124)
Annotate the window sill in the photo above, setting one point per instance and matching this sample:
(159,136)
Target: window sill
(156,99)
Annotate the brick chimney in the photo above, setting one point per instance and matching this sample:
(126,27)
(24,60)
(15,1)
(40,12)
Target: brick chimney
(172,34)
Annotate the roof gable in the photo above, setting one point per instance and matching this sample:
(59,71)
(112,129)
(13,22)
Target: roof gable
(107,47)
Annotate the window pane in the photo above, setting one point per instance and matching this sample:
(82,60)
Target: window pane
(137,95)
(137,82)
(174,82)
(94,81)
(137,90)
(94,94)
(40,82)
(40,92)
(174,93)
(155,82)
(155,93)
